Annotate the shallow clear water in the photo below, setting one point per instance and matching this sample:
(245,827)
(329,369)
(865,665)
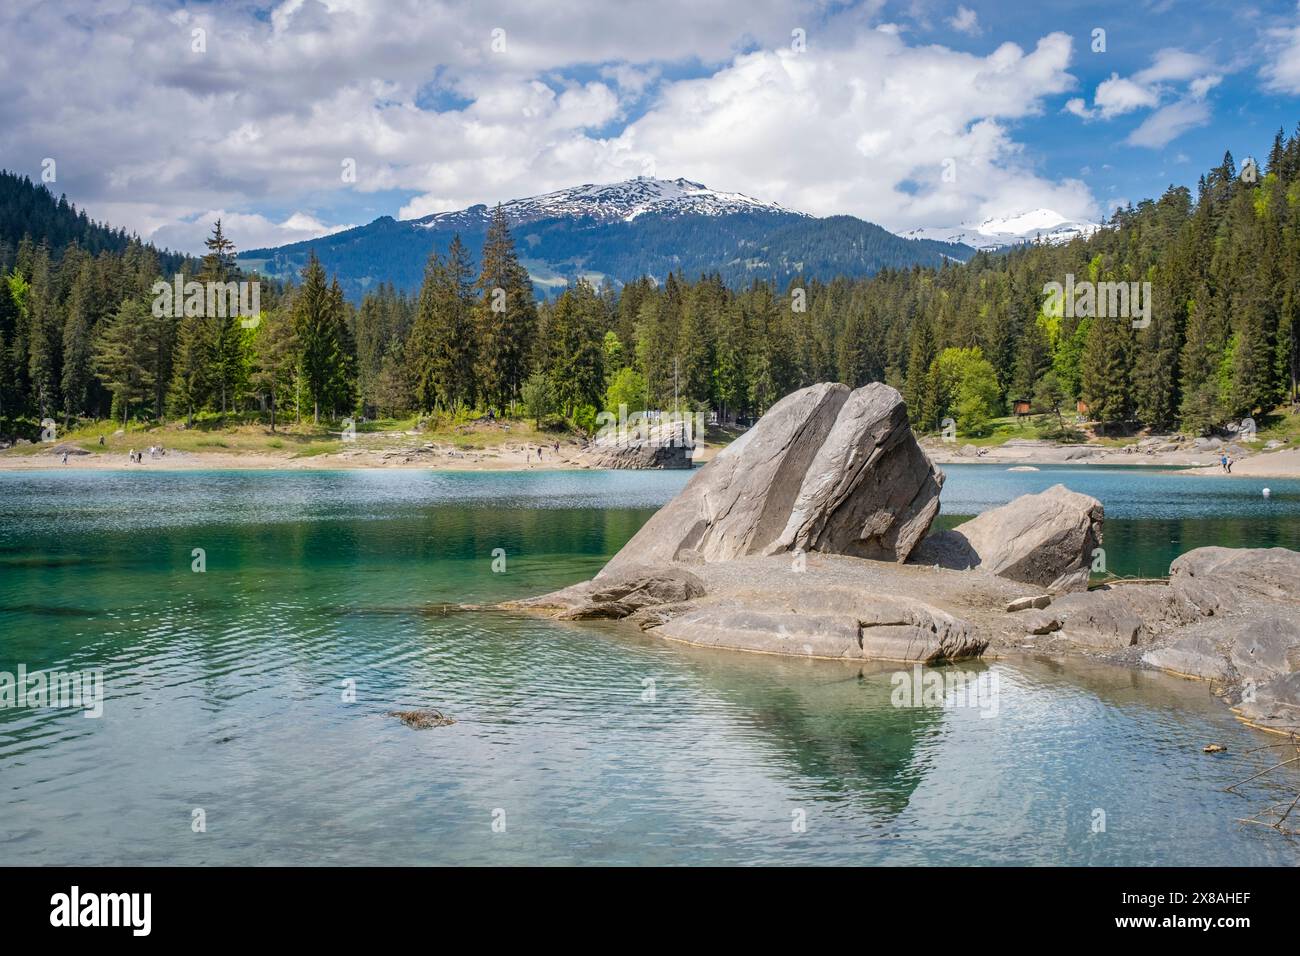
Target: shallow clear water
(224,692)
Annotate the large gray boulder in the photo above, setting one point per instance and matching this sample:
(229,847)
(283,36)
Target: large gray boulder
(870,491)
(824,470)
(739,502)
(1045,539)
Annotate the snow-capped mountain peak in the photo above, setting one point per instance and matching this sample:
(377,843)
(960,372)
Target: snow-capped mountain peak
(999,231)
(618,202)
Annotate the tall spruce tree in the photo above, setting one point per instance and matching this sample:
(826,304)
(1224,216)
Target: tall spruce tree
(78,347)
(122,357)
(506,317)
(317,324)
(442,345)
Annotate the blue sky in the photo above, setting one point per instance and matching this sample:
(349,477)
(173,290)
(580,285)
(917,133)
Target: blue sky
(1242,113)
(160,115)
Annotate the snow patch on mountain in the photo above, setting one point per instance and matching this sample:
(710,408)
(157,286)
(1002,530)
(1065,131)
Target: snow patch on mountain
(999,232)
(614,202)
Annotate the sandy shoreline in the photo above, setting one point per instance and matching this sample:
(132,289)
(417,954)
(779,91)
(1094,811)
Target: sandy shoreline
(503,458)
(1282,463)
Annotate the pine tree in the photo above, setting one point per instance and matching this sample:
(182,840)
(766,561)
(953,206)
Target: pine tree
(121,357)
(45,328)
(506,317)
(343,370)
(225,339)
(393,391)
(78,349)
(317,324)
(191,384)
(373,334)
(695,349)
(442,352)
(1105,371)
(920,403)
(573,346)
(1202,355)
(275,351)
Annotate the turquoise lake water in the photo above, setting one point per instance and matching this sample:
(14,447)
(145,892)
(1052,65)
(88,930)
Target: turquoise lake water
(593,744)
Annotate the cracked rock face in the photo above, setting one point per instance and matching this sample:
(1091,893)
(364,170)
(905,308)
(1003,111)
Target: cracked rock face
(740,501)
(870,491)
(1045,539)
(825,469)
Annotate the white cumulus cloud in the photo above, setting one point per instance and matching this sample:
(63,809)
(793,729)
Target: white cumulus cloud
(158,133)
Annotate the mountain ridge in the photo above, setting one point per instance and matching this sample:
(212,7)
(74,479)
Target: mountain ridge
(1002,232)
(620,231)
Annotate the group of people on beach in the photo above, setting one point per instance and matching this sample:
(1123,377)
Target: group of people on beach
(137,457)
(528,454)
(1226,464)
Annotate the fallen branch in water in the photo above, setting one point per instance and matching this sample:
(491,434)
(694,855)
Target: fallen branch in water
(1273,816)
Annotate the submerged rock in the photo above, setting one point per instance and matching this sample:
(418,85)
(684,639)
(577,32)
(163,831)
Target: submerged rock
(1045,539)
(1274,705)
(422,719)
(1230,616)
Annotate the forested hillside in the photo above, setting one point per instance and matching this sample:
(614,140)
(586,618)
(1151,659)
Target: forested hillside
(32,211)
(961,340)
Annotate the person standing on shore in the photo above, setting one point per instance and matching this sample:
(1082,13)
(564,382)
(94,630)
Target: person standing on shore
(1223,462)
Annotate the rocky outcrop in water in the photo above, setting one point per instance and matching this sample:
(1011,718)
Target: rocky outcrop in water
(620,593)
(761,552)
(825,469)
(1045,539)
(641,446)
(1227,615)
